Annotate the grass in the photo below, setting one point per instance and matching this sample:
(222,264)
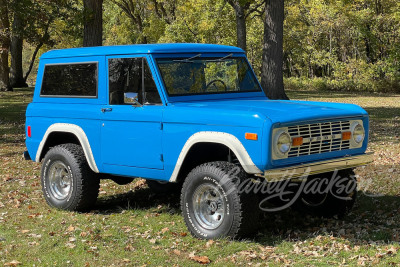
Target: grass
(132,226)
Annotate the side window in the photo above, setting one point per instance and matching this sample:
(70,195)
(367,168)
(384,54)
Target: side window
(70,80)
(130,80)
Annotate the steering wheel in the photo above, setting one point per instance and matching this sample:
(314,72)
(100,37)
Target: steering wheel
(213,83)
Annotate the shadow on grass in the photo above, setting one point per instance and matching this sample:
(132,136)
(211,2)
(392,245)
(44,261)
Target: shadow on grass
(384,123)
(142,198)
(12,112)
(13,104)
(384,113)
(369,221)
(373,219)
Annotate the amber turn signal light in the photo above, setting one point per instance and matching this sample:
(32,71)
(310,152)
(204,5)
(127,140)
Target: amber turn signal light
(297,141)
(346,135)
(251,136)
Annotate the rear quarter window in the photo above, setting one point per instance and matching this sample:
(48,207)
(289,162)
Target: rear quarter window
(70,80)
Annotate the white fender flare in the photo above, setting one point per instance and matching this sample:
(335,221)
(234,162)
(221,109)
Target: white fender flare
(78,132)
(221,138)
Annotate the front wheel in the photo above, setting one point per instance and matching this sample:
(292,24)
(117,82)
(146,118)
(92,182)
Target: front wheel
(68,183)
(212,204)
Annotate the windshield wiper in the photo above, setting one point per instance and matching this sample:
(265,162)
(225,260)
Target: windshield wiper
(220,59)
(187,60)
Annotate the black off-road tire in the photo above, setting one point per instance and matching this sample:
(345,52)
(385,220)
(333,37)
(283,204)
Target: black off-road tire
(241,209)
(84,184)
(339,200)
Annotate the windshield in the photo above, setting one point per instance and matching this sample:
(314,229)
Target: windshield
(196,75)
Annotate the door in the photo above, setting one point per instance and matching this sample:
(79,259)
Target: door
(131,129)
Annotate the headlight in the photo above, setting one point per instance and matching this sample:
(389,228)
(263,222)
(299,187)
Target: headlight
(282,143)
(358,133)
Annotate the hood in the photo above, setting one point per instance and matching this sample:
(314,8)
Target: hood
(248,112)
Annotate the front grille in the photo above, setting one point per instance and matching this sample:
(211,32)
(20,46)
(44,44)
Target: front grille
(319,138)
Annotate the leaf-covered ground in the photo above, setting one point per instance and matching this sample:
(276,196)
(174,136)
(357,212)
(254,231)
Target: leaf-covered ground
(132,226)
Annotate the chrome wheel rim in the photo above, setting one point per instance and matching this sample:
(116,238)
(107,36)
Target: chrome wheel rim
(209,206)
(60,180)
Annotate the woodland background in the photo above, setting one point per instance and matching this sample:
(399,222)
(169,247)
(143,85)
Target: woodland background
(327,44)
(351,46)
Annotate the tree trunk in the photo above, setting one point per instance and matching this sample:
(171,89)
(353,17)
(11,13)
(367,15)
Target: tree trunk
(32,61)
(93,25)
(4,47)
(241,33)
(272,59)
(241,27)
(16,72)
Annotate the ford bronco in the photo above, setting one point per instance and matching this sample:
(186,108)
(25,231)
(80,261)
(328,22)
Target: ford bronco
(187,115)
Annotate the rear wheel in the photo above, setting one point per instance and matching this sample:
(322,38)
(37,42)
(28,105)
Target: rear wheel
(67,181)
(212,204)
(335,196)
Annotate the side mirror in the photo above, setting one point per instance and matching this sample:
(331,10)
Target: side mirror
(132,98)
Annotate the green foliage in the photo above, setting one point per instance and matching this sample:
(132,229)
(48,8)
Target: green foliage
(343,45)
(351,45)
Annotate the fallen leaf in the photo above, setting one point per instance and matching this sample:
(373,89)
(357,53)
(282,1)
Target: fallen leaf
(153,240)
(209,243)
(70,245)
(12,263)
(164,230)
(176,252)
(129,247)
(35,215)
(92,249)
(71,228)
(391,251)
(199,259)
(83,234)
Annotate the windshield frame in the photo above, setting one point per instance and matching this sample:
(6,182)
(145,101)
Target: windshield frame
(206,95)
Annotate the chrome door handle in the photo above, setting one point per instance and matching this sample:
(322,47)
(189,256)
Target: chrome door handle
(106,110)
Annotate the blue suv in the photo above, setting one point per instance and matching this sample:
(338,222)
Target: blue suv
(186,116)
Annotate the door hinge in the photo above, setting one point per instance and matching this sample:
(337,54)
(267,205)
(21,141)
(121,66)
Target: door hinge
(161,126)
(162,157)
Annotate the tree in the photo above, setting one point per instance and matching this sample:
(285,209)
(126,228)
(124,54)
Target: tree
(240,12)
(16,72)
(135,11)
(149,17)
(243,8)
(93,22)
(31,23)
(272,58)
(4,46)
